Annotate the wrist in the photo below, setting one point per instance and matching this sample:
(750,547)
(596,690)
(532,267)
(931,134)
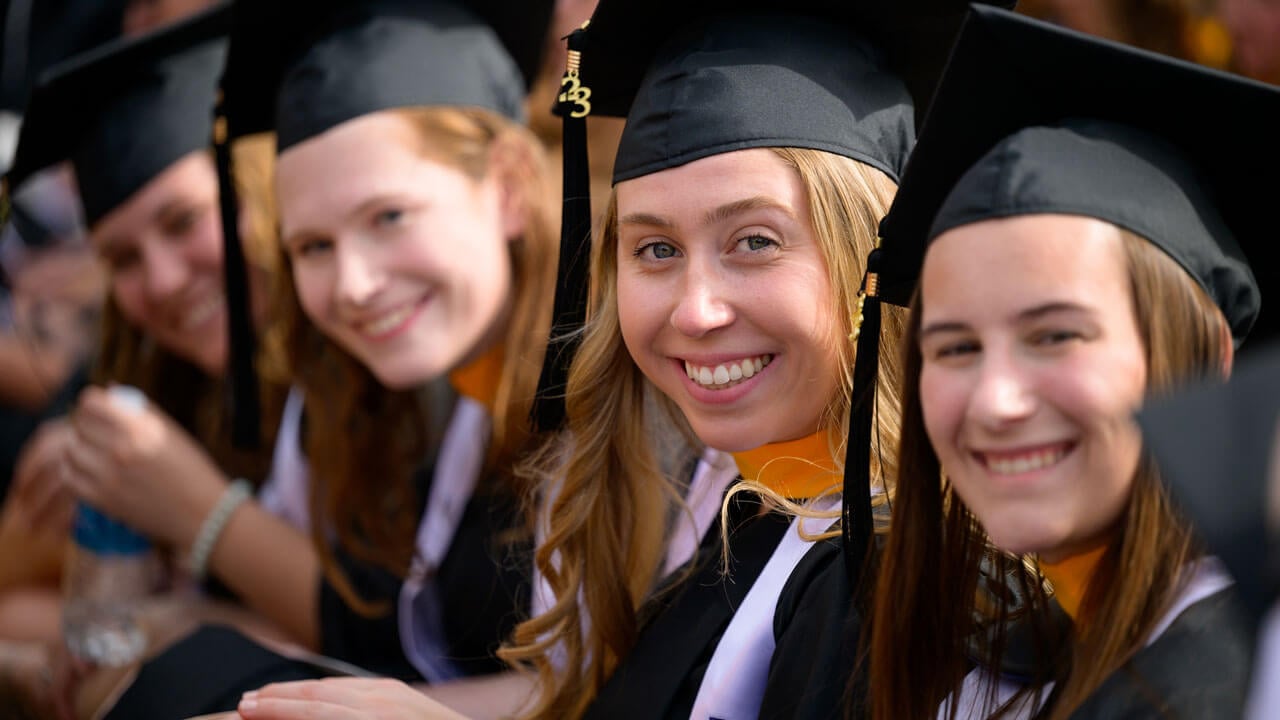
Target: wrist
(215,521)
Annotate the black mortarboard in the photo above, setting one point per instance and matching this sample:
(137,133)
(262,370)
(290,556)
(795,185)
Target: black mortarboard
(125,111)
(1217,450)
(300,68)
(1033,118)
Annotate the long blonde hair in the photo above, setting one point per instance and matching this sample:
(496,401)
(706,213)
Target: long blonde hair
(364,440)
(613,501)
(926,598)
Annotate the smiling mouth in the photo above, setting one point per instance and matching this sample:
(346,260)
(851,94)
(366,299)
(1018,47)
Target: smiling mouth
(390,322)
(726,375)
(1023,461)
(200,313)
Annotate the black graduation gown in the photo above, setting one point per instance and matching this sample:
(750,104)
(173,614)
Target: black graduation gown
(810,668)
(1198,669)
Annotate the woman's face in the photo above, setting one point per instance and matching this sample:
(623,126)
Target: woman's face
(400,260)
(723,297)
(1032,368)
(163,249)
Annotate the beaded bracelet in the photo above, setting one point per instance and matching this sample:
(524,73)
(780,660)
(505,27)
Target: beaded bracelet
(235,494)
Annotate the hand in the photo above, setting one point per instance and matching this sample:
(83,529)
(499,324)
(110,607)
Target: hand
(137,465)
(343,698)
(42,498)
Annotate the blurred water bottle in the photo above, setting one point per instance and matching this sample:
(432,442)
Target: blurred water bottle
(110,569)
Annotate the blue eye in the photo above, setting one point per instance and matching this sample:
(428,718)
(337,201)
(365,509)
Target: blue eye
(756,243)
(657,250)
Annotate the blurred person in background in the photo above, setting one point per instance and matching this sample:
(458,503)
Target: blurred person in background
(1254,29)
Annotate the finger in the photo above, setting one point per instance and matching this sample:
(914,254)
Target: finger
(330,690)
(41,501)
(44,448)
(85,472)
(268,708)
(53,511)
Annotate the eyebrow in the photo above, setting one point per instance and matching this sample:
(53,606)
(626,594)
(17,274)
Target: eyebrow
(306,232)
(713,216)
(1032,313)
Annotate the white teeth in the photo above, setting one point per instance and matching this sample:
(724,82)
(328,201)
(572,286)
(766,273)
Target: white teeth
(200,313)
(1026,463)
(726,374)
(387,322)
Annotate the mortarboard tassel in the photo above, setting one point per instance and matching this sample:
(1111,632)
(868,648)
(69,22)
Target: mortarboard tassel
(570,309)
(242,379)
(856,522)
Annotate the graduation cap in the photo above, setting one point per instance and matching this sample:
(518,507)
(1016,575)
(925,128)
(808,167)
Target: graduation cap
(843,77)
(300,68)
(1218,447)
(124,111)
(1031,118)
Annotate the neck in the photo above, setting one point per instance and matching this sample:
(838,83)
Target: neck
(796,469)
(1070,578)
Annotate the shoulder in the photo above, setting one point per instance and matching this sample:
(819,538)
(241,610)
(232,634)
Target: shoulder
(1199,667)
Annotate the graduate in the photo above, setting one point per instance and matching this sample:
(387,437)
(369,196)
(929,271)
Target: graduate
(134,117)
(1074,213)
(417,236)
(762,145)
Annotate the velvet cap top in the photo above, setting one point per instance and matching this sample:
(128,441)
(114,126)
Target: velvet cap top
(727,77)
(125,111)
(301,68)
(1030,118)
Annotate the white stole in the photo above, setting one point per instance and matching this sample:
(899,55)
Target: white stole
(457,472)
(733,686)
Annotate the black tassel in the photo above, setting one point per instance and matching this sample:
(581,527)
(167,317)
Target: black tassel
(856,524)
(242,378)
(569,313)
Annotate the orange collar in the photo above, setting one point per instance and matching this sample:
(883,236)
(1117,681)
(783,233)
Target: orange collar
(796,469)
(479,378)
(1071,577)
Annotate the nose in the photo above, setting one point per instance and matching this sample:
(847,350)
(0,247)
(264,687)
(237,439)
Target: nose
(703,305)
(1004,394)
(166,270)
(358,278)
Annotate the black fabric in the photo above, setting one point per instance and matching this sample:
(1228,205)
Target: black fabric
(1215,447)
(661,676)
(1199,669)
(814,673)
(1119,174)
(205,672)
(301,67)
(126,111)
(484,584)
(1008,72)
(372,643)
(765,80)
